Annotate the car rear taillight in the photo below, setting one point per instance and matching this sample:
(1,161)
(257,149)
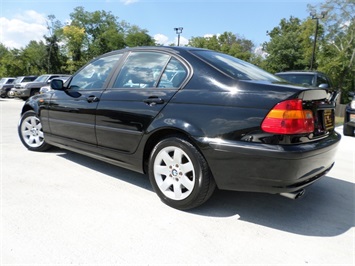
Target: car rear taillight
(288,117)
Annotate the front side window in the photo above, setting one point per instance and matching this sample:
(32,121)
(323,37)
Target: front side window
(94,75)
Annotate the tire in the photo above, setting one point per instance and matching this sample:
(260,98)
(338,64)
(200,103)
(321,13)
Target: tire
(31,133)
(179,174)
(10,94)
(347,130)
(34,92)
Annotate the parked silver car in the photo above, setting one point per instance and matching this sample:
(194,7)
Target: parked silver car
(29,89)
(349,117)
(48,87)
(5,85)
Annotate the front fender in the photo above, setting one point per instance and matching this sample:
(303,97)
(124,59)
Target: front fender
(30,104)
(38,104)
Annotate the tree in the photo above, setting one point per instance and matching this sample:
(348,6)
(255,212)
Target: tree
(34,58)
(337,56)
(91,34)
(74,37)
(228,43)
(290,45)
(136,36)
(54,57)
(101,32)
(5,54)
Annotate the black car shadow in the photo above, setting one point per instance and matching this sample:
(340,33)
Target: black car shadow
(327,209)
(120,173)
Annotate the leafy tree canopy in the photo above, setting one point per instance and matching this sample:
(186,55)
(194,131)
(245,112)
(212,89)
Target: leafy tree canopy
(337,55)
(227,42)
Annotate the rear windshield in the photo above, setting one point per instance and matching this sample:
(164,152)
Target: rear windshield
(234,67)
(304,79)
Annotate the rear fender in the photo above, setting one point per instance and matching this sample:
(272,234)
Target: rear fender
(174,124)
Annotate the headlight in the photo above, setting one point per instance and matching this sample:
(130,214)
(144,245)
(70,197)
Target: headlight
(352,105)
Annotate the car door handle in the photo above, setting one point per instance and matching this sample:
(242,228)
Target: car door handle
(92,99)
(153,101)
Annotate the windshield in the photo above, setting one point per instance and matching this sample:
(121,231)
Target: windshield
(235,67)
(2,81)
(18,80)
(42,78)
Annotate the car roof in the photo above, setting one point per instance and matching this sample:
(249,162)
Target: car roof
(55,74)
(299,72)
(171,49)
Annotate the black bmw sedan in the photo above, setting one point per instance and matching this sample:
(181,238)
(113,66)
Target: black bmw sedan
(192,119)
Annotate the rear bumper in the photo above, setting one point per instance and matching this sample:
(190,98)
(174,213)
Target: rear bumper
(245,166)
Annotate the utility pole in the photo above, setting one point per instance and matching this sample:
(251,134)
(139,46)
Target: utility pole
(178,32)
(314,16)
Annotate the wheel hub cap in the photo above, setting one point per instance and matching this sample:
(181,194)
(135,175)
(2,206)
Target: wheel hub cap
(174,173)
(34,131)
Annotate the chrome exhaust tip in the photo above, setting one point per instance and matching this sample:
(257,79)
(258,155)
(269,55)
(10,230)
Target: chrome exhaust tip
(294,195)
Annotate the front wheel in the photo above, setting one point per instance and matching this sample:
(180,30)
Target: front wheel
(10,94)
(179,174)
(31,133)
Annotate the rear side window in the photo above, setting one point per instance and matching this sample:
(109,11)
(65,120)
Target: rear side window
(141,70)
(28,79)
(234,67)
(150,70)
(173,75)
(322,80)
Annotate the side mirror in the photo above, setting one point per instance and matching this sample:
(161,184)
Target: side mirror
(57,84)
(324,86)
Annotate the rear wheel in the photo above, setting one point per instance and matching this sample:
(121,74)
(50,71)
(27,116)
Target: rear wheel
(179,174)
(31,133)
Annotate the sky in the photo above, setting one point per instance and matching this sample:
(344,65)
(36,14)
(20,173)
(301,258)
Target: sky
(24,20)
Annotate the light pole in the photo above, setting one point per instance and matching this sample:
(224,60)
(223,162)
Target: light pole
(314,16)
(178,32)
